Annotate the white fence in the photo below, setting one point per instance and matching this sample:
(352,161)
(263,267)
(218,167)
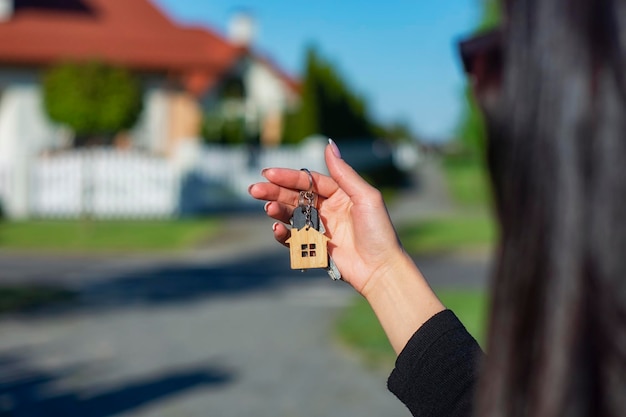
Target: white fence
(108,183)
(6,185)
(102,184)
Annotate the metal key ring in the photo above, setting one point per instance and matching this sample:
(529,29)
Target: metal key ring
(307,198)
(310,179)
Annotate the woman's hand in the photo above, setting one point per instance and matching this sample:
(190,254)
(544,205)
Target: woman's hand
(363,242)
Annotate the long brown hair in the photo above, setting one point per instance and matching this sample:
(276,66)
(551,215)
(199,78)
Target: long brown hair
(557,156)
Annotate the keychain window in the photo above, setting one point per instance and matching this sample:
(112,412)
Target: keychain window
(308,250)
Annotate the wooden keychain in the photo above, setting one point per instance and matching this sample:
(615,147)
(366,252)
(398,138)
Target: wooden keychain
(307,246)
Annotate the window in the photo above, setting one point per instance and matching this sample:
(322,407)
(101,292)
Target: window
(308,250)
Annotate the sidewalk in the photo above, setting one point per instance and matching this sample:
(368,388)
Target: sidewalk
(429,198)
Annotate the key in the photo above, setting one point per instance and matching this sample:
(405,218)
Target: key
(299,218)
(332,269)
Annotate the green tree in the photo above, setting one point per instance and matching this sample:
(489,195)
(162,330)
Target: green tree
(471,130)
(328,105)
(218,129)
(492,14)
(92,98)
(396,132)
(225,120)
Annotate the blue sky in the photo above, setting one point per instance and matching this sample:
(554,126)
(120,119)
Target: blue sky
(399,54)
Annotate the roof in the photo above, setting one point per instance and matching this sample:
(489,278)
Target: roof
(133,33)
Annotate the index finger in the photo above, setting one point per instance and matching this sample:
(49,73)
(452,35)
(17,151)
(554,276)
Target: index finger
(298,180)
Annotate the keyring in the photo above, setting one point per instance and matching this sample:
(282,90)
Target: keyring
(310,179)
(307,197)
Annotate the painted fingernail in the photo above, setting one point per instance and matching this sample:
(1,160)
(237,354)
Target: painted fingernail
(334,147)
(266,206)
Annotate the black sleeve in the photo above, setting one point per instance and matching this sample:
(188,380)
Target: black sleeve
(437,371)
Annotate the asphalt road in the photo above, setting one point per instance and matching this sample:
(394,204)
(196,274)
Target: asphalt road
(228,330)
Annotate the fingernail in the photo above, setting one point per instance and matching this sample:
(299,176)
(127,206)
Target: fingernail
(334,147)
(266,206)
(275,226)
(250,188)
(263,171)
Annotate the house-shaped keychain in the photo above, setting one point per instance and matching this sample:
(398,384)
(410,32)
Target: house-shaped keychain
(308,248)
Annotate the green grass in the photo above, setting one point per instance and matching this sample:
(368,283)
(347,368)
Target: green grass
(448,234)
(471,306)
(470,226)
(468,182)
(86,235)
(358,327)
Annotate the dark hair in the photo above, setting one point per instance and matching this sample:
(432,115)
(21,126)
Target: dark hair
(557,157)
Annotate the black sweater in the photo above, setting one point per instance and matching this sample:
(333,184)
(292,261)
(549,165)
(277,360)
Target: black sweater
(437,371)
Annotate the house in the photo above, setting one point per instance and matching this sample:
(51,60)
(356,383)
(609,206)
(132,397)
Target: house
(184,71)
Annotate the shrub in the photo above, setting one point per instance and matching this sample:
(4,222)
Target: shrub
(92,98)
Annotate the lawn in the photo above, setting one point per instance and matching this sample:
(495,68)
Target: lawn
(91,236)
(358,327)
(448,234)
(471,226)
(468,182)
(108,235)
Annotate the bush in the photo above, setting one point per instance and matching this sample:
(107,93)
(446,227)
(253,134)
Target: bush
(92,98)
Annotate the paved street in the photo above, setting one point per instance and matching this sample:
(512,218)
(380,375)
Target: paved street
(227,330)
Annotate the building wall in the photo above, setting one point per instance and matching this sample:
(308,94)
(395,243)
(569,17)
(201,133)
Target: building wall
(269,98)
(185,116)
(25,129)
(151,132)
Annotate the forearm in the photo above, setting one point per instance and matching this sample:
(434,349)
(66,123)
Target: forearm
(401,299)
(437,372)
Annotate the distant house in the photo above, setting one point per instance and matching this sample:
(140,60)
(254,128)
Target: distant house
(184,71)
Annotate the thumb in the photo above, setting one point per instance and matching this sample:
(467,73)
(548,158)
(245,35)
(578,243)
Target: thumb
(344,175)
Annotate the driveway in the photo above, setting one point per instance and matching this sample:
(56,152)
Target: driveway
(230,333)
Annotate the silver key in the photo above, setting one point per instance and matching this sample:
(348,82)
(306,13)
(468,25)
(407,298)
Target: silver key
(299,218)
(332,269)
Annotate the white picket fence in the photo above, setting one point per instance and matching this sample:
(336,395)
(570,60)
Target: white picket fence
(102,184)
(107,183)
(6,185)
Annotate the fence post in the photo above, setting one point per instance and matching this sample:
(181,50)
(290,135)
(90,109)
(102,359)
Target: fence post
(19,205)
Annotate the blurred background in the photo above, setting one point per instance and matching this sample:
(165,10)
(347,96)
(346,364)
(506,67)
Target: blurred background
(137,276)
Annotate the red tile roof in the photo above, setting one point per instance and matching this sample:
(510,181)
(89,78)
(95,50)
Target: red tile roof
(133,33)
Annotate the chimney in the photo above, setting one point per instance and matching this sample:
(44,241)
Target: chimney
(6,10)
(241,29)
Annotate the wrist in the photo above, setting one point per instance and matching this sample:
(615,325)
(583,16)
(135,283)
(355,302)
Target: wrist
(401,298)
(396,264)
